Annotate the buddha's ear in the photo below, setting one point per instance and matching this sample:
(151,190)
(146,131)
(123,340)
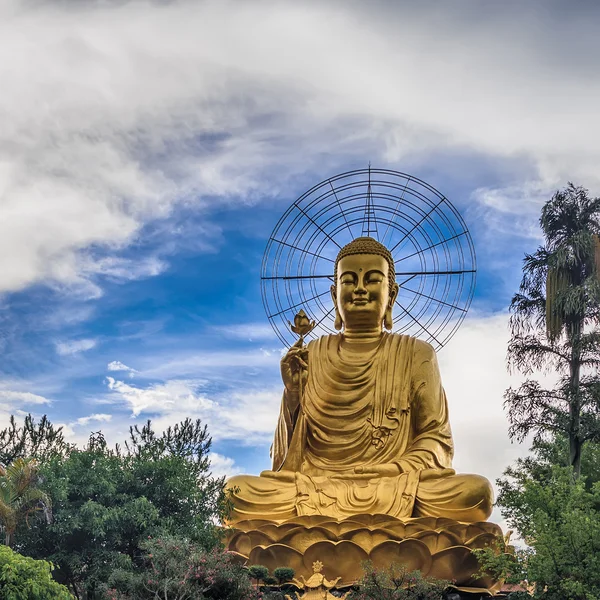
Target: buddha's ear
(338,323)
(393,294)
(388,322)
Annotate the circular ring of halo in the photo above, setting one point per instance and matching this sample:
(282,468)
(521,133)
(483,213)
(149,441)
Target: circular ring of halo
(429,240)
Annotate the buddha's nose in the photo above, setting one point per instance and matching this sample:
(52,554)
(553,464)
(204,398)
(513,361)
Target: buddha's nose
(360,288)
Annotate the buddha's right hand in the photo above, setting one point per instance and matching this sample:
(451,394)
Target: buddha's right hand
(293,366)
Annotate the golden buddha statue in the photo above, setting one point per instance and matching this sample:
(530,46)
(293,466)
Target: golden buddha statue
(363,426)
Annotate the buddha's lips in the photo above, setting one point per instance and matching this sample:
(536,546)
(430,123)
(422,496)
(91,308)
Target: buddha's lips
(360,301)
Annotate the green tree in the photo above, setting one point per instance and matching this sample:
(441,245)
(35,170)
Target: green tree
(20,496)
(258,572)
(23,578)
(39,440)
(178,569)
(559,519)
(283,574)
(106,502)
(396,583)
(554,326)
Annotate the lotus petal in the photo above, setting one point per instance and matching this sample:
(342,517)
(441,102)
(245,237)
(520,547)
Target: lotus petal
(489,527)
(426,522)
(413,554)
(397,529)
(276,532)
(413,528)
(368,539)
(367,519)
(340,558)
(454,564)
(278,555)
(302,538)
(309,520)
(484,540)
(250,524)
(244,542)
(438,540)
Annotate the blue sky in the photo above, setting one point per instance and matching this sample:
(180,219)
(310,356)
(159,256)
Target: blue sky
(147,150)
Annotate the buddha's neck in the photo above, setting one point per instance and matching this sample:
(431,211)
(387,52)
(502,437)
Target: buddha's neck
(362,340)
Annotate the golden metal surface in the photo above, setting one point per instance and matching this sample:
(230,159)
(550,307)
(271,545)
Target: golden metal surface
(363,436)
(317,586)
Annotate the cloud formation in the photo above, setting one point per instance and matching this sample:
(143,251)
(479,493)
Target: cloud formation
(112,114)
(75,346)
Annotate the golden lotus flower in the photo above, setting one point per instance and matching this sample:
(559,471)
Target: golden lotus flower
(302,324)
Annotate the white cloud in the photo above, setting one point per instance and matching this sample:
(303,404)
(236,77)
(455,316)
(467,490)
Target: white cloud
(248,416)
(95,418)
(172,396)
(229,363)
(248,331)
(117,365)
(121,269)
(222,465)
(112,113)
(75,346)
(14,398)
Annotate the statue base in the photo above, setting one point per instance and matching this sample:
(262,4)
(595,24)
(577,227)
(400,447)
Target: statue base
(438,547)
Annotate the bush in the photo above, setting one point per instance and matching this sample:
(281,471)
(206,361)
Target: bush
(258,572)
(176,568)
(283,574)
(24,578)
(396,583)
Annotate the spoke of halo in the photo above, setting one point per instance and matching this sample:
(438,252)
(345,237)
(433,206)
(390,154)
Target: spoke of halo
(435,272)
(302,250)
(369,208)
(318,226)
(298,277)
(395,211)
(433,298)
(341,210)
(445,241)
(324,317)
(392,250)
(297,304)
(418,323)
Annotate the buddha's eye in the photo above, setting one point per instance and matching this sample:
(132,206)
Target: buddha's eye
(375,279)
(347,280)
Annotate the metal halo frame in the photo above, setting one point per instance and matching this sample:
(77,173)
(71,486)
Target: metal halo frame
(429,240)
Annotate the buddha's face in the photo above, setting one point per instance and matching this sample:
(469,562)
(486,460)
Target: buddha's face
(362,292)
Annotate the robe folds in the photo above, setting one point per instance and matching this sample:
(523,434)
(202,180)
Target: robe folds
(359,410)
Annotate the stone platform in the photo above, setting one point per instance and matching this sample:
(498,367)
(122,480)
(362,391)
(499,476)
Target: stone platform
(438,547)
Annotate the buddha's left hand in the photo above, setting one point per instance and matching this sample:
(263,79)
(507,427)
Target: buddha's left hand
(385,470)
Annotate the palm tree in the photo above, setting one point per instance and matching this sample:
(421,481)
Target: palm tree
(19,496)
(554,326)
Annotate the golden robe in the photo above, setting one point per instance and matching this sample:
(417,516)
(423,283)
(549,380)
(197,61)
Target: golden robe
(386,406)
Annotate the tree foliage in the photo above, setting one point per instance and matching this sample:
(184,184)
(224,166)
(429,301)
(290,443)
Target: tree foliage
(39,440)
(23,578)
(178,569)
(559,519)
(554,326)
(106,502)
(20,496)
(397,583)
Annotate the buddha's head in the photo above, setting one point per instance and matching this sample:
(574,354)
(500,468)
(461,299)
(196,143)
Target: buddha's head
(364,288)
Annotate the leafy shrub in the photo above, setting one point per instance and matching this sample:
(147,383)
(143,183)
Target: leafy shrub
(176,568)
(396,583)
(24,578)
(258,572)
(283,574)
